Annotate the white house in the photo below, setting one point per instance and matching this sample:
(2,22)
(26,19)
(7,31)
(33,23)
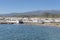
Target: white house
(56,20)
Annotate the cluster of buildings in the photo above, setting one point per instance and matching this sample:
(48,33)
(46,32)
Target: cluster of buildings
(40,20)
(17,20)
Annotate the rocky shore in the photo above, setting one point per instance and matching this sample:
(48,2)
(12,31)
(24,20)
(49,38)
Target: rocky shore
(45,24)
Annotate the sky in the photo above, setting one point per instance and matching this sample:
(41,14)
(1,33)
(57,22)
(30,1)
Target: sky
(19,6)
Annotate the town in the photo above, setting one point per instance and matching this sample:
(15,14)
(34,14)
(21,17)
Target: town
(31,20)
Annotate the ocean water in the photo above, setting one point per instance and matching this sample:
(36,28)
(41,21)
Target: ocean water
(28,32)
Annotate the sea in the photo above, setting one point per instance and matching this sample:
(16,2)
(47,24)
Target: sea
(28,32)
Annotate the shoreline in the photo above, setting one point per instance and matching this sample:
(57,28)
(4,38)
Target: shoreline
(41,24)
(45,24)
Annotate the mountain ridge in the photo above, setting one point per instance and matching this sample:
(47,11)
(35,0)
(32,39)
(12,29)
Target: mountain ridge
(38,12)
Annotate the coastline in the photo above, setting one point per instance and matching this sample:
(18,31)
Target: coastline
(45,24)
(31,21)
(40,24)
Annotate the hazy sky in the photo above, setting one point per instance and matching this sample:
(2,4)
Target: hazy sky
(9,6)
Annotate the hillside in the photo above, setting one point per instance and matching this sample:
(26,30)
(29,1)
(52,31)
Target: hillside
(40,13)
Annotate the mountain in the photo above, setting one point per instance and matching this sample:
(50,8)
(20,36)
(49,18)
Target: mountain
(38,12)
